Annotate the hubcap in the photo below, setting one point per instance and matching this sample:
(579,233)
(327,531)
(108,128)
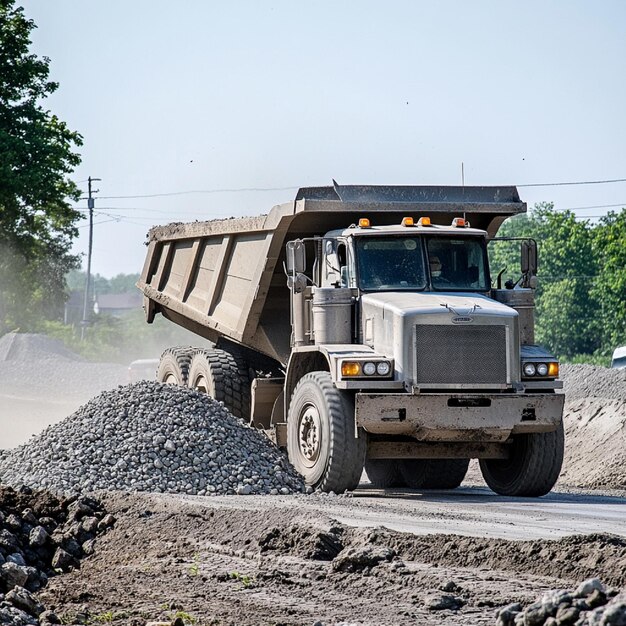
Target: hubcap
(309,434)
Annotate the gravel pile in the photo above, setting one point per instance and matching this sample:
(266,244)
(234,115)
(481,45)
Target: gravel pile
(591,604)
(37,366)
(41,536)
(151,437)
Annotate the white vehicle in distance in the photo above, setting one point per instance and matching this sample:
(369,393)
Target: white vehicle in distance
(142,369)
(619,358)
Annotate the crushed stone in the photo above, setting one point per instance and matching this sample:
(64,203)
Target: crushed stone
(590,604)
(149,436)
(40,537)
(36,366)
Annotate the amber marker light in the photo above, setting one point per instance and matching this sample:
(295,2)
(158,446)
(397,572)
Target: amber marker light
(424,221)
(364,223)
(350,368)
(459,222)
(553,370)
(408,221)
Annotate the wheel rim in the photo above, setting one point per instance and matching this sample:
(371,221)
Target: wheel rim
(309,435)
(170,379)
(200,384)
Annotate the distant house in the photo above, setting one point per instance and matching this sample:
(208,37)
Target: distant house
(118,304)
(115,304)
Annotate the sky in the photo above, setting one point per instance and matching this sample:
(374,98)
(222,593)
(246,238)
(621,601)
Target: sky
(177,98)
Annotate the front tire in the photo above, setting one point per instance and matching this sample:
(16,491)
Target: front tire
(321,440)
(532,468)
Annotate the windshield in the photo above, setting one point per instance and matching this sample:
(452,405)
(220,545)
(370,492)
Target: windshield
(457,263)
(390,263)
(398,263)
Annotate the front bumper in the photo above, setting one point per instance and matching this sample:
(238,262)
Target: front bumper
(467,417)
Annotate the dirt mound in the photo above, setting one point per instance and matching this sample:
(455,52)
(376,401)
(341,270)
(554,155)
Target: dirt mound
(595,427)
(32,347)
(581,382)
(234,564)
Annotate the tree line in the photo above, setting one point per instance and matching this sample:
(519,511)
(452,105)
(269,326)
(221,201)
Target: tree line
(581,293)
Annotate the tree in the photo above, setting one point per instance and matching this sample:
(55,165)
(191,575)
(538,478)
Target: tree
(609,243)
(567,309)
(37,223)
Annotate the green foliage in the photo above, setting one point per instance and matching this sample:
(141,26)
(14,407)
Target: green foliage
(122,283)
(37,224)
(122,340)
(244,579)
(581,297)
(609,290)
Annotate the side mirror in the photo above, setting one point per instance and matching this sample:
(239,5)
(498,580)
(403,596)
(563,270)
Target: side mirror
(296,257)
(529,257)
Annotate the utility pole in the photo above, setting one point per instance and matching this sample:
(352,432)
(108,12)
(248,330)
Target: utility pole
(90,205)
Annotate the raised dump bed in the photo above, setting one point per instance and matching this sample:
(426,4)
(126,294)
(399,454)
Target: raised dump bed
(225,278)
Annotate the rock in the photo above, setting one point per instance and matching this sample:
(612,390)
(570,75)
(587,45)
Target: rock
(588,586)
(506,615)
(24,600)
(14,575)
(443,602)
(567,615)
(357,559)
(38,536)
(62,560)
(49,617)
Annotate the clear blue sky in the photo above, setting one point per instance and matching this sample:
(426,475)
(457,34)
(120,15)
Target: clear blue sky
(199,95)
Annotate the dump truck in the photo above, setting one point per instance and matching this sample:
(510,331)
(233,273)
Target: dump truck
(361,327)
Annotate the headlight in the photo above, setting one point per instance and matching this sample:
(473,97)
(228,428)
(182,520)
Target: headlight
(369,369)
(542,369)
(529,369)
(383,368)
(362,369)
(350,368)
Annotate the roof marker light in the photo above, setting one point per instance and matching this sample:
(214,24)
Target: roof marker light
(364,222)
(459,222)
(408,221)
(424,221)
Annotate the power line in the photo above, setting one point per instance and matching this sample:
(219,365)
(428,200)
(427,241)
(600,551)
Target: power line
(202,191)
(293,187)
(584,182)
(597,206)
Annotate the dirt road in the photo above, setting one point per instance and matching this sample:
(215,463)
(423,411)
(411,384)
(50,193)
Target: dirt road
(469,511)
(299,560)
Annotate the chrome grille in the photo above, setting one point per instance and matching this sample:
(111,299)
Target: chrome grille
(472,354)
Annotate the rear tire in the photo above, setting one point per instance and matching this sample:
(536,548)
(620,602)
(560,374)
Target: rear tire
(321,440)
(532,468)
(173,367)
(224,377)
(413,472)
(445,473)
(383,473)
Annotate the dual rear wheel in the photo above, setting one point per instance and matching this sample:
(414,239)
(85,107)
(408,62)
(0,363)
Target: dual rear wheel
(218,373)
(531,469)
(417,473)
